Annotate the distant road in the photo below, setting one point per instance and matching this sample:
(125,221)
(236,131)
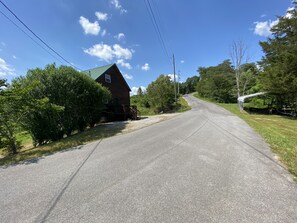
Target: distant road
(205,165)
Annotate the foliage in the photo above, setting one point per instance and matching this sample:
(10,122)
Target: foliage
(144,107)
(11,111)
(182,105)
(73,142)
(161,94)
(248,78)
(2,84)
(64,101)
(217,82)
(142,104)
(139,92)
(280,62)
(189,85)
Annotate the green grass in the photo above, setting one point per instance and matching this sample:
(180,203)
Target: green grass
(183,105)
(139,101)
(145,111)
(279,131)
(29,152)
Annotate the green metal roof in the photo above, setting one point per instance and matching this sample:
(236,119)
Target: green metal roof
(98,71)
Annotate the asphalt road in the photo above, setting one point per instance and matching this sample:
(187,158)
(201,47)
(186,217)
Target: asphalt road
(205,165)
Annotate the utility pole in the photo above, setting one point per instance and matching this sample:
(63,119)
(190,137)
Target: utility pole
(178,78)
(174,78)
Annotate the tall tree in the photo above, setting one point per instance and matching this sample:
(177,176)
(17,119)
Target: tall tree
(238,54)
(217,82)
(189,85)
(161,93)
(249,74)
(2,84)
(139,92)
(280,60)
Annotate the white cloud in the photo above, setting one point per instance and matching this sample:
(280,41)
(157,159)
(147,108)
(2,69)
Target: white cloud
(102,51)
(120,52)
(172,77)
(118,6)
(289,13)
(5,69)
(89,27)
(182,61)
(145,67)
(127,76)
(263,15)
(101,16)
(135,89)
(124,64)
(264,28)
(14,56)
(103,33)
(120,36)
(107,53)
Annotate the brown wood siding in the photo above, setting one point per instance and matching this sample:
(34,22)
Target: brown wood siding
(117,87)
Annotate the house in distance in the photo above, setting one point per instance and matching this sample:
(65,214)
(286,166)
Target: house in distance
(110,77)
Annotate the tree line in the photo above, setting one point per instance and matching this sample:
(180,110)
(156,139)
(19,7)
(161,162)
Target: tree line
(275,74)
(49,103)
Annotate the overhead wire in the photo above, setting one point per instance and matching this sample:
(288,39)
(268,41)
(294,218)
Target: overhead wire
(158,18)
(156,27)
(41,40)
(45,49)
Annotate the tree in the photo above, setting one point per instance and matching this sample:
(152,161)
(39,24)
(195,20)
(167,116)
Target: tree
(249,74)
(161,93)
(139,92)
(189,85)
(2,84)
(279,76)
(217,82)
(65,101)
(238,54)
(12,110)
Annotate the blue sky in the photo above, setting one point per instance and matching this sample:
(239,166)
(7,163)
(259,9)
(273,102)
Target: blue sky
(99,32)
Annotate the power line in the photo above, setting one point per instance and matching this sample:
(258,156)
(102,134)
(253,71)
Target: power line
(161,25)
(59,55)
(156,27)
(45,49)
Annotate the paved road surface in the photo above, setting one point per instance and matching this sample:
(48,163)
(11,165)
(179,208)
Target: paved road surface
(205,165)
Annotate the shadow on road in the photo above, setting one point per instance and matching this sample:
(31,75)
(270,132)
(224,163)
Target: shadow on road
(75,141)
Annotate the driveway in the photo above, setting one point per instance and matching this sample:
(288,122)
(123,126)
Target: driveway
(205,165)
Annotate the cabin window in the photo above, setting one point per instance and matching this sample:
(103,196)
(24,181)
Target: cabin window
(107,78)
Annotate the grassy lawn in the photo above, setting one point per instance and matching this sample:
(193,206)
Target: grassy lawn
(279,131)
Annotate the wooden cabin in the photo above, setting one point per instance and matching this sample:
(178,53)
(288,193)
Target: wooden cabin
(110,77)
